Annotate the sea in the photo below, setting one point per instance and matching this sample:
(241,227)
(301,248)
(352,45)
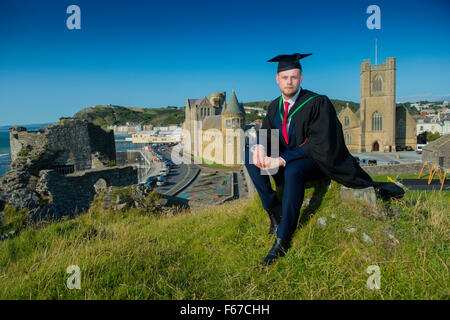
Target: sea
(5,157)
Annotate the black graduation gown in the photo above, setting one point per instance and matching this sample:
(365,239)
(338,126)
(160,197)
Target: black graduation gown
(316,123)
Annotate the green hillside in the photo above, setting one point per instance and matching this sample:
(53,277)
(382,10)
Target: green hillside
(215,252)
(110,115)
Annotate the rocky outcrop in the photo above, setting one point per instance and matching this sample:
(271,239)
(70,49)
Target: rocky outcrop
(140,197)
(366,194)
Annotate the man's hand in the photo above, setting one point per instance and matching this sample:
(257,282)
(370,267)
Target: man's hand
(271,163)
(258,155)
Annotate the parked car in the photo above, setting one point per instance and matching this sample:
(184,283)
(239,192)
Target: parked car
(419,148)
(160,181)
(169,163)
(164,172)
(408,148)
(357,159)
(394,162)
(368,162)
(399,148)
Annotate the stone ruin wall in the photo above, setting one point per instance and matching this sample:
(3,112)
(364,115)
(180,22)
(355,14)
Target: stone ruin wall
(71,142)
(34,182)
(79,188)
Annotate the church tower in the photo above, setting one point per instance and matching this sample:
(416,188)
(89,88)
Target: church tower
(377,106)
(233,119)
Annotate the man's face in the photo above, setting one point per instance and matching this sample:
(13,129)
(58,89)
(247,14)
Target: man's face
(289,81)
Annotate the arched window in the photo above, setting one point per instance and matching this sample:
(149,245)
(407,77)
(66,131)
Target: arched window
(377,121)
(346,121)
(348,138)
(377,84)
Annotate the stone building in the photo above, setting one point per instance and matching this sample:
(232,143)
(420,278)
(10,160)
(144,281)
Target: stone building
(214,130)
(378,125)
(438,152)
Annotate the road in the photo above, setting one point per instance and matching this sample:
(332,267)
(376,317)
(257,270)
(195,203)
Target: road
(385,157)
(177,177)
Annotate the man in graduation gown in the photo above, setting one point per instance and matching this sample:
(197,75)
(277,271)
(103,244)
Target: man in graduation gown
(311,146)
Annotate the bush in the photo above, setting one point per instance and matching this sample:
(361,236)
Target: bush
(13,219)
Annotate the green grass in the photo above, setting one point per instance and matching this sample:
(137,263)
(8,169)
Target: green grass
(210,163)
(215,252)
(13,219)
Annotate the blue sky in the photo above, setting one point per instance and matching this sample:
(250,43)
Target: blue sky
(158,53)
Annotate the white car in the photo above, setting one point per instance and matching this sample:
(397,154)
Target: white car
(160,181)
(419,148)
(164,172)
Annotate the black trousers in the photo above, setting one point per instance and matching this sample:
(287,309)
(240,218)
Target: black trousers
(294,176)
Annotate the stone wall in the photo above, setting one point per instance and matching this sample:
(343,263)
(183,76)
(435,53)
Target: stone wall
(102,145)
(248,180)
(71,142)
(403,168)
(438,152)
(73,193)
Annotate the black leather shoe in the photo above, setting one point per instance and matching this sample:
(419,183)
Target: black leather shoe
(279,249)
(275,218)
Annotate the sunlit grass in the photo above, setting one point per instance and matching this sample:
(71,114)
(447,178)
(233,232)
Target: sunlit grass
(215,253)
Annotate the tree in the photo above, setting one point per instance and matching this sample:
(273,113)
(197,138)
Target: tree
(431,136)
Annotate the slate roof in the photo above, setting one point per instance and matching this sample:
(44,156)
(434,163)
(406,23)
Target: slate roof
(194,102)
(212,122)
(233,106)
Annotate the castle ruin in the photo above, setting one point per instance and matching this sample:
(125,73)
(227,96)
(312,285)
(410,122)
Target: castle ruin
(58,169)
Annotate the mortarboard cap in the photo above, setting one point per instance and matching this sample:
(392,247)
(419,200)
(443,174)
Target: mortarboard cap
(289,61)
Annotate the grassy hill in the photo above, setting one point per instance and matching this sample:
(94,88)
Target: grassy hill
(214,253)
(110,115)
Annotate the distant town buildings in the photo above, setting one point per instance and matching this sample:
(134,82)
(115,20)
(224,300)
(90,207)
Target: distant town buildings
(427,106)
(131,127)
(435,123)
(261,111)
(158,134)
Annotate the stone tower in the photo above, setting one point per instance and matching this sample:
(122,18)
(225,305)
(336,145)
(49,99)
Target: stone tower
(195,112)
(233,124)
(218,99)
(378,111)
